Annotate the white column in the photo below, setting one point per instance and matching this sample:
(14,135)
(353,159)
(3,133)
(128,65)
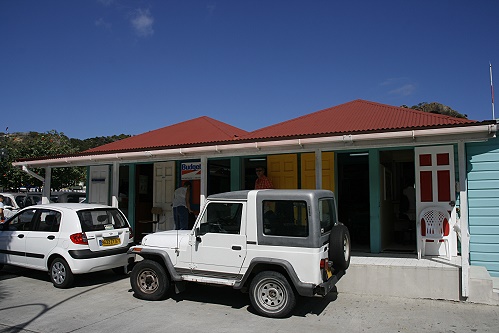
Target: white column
(204,181)
(47,184)
(115,184)
(318,169)
(463,205)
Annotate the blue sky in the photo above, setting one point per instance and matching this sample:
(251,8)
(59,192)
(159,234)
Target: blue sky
(90,68)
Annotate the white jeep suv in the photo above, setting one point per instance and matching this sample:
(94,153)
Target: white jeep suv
(276,244)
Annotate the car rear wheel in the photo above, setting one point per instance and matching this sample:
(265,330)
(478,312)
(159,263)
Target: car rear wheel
(149,280)
(271,294)
(339,247)
(60,273)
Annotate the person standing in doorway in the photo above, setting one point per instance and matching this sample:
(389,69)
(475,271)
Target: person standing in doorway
(181,206)
(262,182)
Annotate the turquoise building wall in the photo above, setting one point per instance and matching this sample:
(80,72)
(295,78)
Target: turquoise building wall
(483,202)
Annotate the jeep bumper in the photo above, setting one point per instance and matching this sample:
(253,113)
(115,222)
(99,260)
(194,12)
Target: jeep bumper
(324,288)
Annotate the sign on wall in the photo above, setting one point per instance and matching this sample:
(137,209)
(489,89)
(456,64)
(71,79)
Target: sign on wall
(190,170)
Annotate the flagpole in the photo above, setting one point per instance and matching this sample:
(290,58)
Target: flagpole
(492,91)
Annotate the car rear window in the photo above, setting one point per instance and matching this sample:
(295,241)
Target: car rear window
(101,219)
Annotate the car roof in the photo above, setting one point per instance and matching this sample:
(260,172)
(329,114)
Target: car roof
(70,206)
(275,193)
(12,194)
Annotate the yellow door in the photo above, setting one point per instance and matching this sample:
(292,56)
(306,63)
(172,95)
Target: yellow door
(308,170)
(283,170)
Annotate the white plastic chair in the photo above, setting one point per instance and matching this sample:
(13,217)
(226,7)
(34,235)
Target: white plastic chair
(434,226)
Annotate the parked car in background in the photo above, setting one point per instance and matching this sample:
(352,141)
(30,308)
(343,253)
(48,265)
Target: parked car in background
(71,196)
(12,202)
(32,198)
(23,199)
(67,239)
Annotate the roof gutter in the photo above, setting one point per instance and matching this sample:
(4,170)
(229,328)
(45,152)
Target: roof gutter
(32,174)
(353,141)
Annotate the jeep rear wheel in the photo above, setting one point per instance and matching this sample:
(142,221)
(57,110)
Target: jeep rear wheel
(149,280)
(271,294)
(339,247)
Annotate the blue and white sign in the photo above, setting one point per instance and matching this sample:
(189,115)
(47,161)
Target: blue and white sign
(190,170)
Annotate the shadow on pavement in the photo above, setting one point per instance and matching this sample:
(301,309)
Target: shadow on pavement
(81,280)
(224,295)
(96,280)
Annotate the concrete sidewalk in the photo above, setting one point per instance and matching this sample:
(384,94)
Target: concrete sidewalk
(103,302)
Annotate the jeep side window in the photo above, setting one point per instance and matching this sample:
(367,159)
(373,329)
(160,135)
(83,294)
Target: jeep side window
(327,214)
(221,218)
(285,218)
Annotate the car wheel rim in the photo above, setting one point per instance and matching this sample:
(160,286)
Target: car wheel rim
(58,273)
(271,295)
(346,248)
(147,280)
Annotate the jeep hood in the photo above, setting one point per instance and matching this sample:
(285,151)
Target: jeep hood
(167,239)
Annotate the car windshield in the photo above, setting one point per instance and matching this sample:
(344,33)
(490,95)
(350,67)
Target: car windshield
(101,219)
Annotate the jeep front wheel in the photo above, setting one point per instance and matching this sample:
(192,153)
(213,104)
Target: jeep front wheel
(149,280)
(339,247)
(271,294)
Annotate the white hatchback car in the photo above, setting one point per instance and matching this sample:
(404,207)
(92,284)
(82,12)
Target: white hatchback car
(66,239)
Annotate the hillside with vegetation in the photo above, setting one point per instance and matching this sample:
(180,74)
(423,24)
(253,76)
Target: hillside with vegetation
(18,146)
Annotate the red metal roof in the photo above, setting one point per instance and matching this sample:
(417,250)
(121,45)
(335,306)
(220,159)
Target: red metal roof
(196,131)
(353,117)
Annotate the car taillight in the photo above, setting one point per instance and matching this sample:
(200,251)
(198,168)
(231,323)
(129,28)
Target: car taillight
(130,235)
(324,263)
(79,238)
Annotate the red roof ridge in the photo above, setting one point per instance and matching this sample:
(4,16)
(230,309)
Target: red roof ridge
(194,131)
(355,116)
(217,124)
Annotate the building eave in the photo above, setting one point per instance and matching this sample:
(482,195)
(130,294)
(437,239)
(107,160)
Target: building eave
(409,137)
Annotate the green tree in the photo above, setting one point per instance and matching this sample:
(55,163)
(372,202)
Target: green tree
(32,145)
(85,144)
(435,107)
(18,146)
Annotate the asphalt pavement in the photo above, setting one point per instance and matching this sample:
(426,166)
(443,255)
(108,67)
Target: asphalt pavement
(104,302)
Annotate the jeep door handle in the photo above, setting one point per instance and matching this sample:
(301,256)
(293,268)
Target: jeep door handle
(237,248)
(20,236)
(51,237)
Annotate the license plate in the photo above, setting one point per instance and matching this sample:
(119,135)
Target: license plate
(328,272)
(110,241)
